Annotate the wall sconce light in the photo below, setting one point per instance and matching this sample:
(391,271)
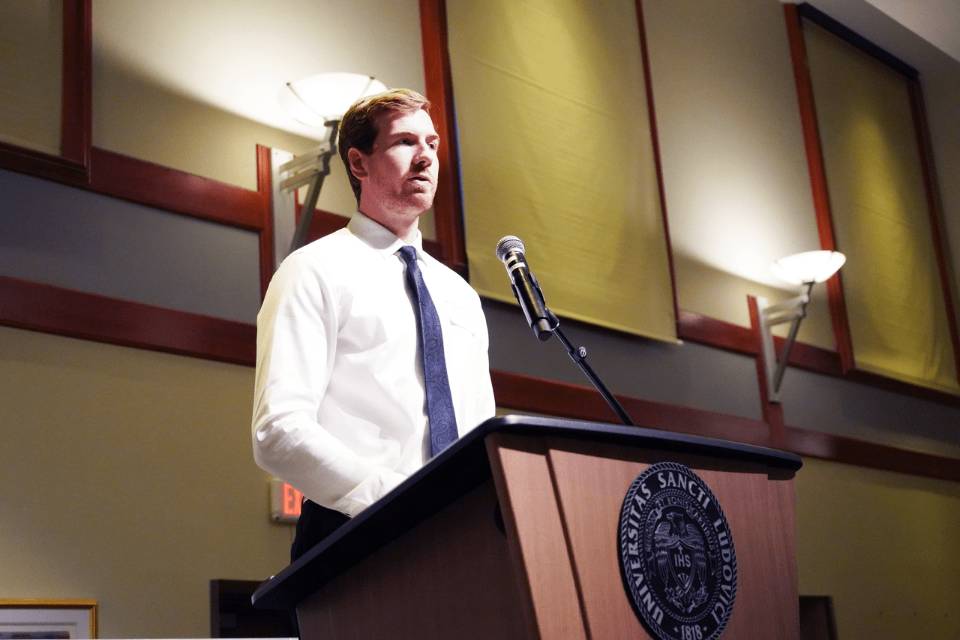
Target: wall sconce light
(319,101)
(803,269)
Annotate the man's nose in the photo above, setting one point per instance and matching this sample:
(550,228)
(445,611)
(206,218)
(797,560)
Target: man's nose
(426,156)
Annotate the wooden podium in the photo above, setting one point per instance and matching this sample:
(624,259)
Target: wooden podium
(512,532)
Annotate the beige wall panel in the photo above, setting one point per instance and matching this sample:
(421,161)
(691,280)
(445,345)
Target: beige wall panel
(140,118)
(129,479)
(31,58)
(734,170)
(884,545)
(194,85)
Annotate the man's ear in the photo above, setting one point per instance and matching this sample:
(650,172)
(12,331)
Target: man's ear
(358,163)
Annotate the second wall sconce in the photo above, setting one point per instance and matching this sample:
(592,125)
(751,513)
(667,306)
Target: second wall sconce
(803,269)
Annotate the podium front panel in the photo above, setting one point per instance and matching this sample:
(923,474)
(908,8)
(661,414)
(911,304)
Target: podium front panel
(588,482)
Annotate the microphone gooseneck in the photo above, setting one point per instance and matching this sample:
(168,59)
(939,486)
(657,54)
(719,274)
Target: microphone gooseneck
(511,252)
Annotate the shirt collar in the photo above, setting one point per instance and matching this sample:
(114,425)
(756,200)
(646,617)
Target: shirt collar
(379,238)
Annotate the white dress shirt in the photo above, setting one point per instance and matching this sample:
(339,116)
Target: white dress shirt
(339,407)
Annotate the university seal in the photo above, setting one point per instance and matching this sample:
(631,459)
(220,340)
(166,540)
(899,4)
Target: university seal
(677,558)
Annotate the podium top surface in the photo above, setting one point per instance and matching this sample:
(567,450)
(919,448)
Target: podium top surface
(460,468)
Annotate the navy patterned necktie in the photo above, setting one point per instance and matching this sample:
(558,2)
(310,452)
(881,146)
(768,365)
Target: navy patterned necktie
(441,420)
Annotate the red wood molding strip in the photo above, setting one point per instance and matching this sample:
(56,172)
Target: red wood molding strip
(732,337)
(143,182)
(536,395)
(715,333)
(655,140)
(42,307)
(439,86)
(75,101)
(935,210)
(818,180)
(265,189)
(42,165)
(872,455)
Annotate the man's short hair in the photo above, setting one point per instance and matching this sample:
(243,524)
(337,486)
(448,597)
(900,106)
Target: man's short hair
(358,128)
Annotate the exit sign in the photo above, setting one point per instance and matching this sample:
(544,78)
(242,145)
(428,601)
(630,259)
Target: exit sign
(285,501)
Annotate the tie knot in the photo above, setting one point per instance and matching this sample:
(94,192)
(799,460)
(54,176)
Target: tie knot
(408,254)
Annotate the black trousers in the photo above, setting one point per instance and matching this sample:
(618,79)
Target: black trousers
(315,524)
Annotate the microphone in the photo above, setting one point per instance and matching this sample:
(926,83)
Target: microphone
(526,289)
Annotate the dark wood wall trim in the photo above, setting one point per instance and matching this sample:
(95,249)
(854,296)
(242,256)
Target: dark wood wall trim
(736,339)
(42,165)
(536,395)
(818,181)
(265,190)
(732,337)
(51,309)
(448,204)
(703,329)
(143,182)
(76,114)
(935,209)
(655,140)
(872,455)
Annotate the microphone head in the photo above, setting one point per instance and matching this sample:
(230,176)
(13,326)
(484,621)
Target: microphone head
(508,244)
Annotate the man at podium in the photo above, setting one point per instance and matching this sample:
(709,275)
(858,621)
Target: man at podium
(371,354)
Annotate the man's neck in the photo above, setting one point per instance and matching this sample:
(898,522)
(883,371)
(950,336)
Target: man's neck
(396,225)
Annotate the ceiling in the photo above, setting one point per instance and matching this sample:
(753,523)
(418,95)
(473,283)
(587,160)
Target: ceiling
(936,21)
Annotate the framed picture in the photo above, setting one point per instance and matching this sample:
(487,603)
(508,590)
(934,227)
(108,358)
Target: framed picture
(28,619)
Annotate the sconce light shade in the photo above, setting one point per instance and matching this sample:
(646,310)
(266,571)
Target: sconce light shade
(807,269)
(326,96)
(809,266)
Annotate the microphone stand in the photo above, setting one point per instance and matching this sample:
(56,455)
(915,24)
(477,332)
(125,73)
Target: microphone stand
(579,356)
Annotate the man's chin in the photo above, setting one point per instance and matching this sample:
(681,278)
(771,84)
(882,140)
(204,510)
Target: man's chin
(417,203)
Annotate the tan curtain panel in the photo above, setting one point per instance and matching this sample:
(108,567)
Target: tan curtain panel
(31,61)
(894,297)
(556,148)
